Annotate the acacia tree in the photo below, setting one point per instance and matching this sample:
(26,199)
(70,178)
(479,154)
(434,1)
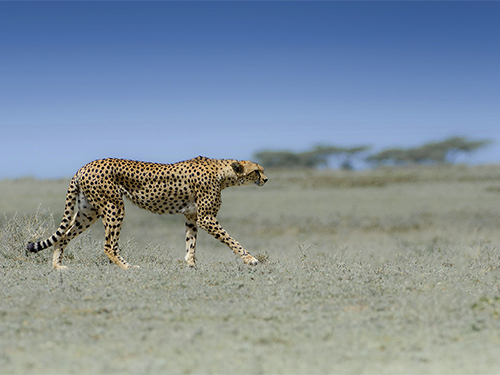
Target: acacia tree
(289,159)
(460,145)
(445,151)
(349,154)
(318,156)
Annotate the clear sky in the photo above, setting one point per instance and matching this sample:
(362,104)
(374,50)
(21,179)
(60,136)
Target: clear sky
(167,81)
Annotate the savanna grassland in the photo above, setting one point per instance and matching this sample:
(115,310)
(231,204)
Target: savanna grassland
(374,272)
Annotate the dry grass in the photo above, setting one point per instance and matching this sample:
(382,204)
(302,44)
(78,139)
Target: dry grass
(386,271)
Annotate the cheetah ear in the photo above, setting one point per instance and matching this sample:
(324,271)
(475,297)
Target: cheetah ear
(237,167)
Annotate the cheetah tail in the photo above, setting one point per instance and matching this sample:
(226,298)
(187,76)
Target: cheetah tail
(69,209)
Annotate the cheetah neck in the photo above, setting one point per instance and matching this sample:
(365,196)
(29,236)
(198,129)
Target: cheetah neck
(227,176)
(228,182)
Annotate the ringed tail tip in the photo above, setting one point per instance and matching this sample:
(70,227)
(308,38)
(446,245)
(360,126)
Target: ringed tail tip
(31,248)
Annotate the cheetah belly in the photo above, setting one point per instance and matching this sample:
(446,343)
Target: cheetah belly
(189,209)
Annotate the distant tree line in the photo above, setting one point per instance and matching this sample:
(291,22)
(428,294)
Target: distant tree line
(319,156)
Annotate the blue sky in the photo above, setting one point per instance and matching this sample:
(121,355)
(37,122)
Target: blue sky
(167,81)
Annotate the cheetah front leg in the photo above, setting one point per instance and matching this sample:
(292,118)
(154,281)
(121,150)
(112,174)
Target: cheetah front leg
(191,232)
(212,226)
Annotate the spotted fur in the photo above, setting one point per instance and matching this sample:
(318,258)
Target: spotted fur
(192,187)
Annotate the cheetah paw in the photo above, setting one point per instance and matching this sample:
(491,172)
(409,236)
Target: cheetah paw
(250,260)
(191,262)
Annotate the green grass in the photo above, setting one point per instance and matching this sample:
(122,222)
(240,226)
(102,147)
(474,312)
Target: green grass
(385,271)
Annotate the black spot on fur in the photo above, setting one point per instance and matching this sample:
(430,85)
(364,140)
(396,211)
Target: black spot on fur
(237,167)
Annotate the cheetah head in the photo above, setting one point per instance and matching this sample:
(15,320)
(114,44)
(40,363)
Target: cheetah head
(248,173)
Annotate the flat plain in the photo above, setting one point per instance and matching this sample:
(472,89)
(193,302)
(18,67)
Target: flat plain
(384,271)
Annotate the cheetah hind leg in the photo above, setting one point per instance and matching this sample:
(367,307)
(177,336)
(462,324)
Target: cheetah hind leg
(57,258)
(112,225)
(84,218)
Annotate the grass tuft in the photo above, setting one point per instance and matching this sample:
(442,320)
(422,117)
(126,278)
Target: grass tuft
(18,231)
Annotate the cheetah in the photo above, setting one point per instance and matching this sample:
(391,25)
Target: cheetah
(192,187)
